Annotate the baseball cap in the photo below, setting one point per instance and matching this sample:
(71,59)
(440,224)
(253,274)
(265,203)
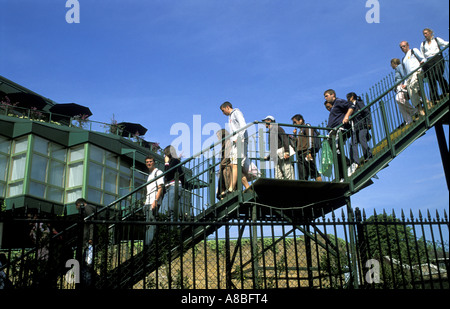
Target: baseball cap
(269,118)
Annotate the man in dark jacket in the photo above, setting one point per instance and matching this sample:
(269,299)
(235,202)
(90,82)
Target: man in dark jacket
(306,150)
(361,124)
(340,113)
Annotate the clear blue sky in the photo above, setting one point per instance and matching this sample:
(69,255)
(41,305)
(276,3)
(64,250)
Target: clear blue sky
(159,62)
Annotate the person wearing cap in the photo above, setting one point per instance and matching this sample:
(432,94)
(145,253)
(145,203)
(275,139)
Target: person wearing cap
(280,155)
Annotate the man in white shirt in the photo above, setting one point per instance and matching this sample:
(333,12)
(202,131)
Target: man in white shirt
(153,196)
(434,66)
(237,122)
(411,61)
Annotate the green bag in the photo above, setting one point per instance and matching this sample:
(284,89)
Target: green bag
(326,161)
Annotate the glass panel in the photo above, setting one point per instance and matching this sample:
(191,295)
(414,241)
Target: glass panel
(96,153)
(37,189)
(124,185)
(110,180)
(94,196)
(75,175)
(139,179)
(18,167)
(5,145)
(73,195)
(55,194)
(39,168)
(95,175)
(108,199)
(21,145)
(59,152)
(15,189)
(77,153)
(3,167)
(56,174)
(111,160)
(2,189)
(125,168)
(41,145)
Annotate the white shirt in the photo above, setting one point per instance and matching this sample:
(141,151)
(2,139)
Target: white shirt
(152,188)
(236,122)
(412,62)
(429,49)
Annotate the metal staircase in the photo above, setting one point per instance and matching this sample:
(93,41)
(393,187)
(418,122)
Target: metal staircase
(266,199)
(277,198)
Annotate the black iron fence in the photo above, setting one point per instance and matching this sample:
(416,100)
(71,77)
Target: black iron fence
(350,250)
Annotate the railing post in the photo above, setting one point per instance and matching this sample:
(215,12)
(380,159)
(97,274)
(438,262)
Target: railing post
(361,242)
(423,95)
(261,143)
(240,151)
(443,149)
(80,245)
(353,267)
(212,178)
(176,206)
(333,139)
(386,129)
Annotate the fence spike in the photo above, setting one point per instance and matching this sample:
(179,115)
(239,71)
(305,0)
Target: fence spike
(437,216)
(411,215)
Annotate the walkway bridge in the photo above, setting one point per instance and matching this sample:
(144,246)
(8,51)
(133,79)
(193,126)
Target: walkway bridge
(281,200)
(294,201)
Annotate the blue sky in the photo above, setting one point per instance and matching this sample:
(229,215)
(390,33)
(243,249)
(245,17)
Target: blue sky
(159,62)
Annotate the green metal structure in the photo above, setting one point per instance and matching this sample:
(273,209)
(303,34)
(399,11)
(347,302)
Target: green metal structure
(267,198)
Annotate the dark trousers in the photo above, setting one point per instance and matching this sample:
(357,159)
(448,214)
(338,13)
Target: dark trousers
(359,136)
(434,71)
(306,168)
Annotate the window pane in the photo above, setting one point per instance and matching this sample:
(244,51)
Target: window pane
(124,185)
(94,196)
(18,167)
(39,168)
(110,180)
(75,175)
(37,189)
(56,174)
(55,194)
(3,167)
(4,145)
(40,145)
(58,152)
(111,160)
(76,153)
(95,175)
(125,168)
(108,199)
(2,189)
(21,145)
(96,153)
(15,189)
(73,195)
